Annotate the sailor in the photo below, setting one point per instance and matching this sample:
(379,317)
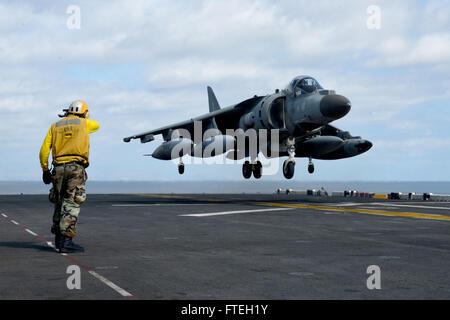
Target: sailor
(68,140)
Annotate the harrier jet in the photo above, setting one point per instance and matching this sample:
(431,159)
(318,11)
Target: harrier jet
(300,115)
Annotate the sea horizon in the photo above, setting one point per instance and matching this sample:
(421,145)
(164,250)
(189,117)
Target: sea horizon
(230,186)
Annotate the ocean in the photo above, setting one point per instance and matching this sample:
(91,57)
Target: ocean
(244,186)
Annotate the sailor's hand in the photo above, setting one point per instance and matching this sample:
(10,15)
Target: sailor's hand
(47,177)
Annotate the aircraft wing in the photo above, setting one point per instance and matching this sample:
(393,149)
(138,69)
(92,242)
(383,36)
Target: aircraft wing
(149,135)
(226,118)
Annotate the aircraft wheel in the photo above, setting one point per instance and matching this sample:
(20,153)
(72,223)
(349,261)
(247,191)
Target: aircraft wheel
(181,168)
(288,169)
(257,170)
(247,170)
(311,168)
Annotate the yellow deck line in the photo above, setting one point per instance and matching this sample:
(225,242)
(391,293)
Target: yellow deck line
(294,205)
(161,196)
(155,195)
(366,211)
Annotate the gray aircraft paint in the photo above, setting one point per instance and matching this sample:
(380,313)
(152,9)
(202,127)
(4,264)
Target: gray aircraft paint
(302,112)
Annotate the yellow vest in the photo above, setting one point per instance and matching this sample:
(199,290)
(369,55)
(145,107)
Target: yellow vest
(70,141)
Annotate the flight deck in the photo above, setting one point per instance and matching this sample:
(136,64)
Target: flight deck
(216,246)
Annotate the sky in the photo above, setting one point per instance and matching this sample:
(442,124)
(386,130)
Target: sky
(140,65)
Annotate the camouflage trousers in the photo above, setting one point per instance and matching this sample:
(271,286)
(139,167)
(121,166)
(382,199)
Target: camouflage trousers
(68,193)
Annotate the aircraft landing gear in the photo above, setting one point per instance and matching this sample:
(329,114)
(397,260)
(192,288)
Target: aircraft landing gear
(257,170)
(181,167)
(310,166)
(289,164)
(288,169)
(249,168)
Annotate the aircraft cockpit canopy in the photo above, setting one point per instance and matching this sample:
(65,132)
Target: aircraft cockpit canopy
(303,84)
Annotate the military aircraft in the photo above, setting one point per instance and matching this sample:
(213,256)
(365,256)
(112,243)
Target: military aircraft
(300,114)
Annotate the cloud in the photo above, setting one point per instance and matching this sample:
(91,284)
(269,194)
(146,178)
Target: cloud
(415,147)
(143,64)
(191,72)
(428,49)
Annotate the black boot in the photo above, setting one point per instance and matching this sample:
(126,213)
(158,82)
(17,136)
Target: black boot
(66,245)
(55,230)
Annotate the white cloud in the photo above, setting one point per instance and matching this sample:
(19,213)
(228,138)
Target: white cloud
(407,125)
(413,144)
(194,71)
(241,48)
(429,49)
(432,48)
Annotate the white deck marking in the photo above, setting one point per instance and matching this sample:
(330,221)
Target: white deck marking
(50,244)
(231,212)
(160,204)
(31,232)
(110,284)
(93,273)
(348,204)
(409,205)
(4,215)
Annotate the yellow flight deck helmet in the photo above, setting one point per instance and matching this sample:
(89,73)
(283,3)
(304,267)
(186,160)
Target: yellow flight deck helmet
(79,108)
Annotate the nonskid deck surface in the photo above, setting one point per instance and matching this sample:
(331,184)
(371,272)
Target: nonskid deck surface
(243,246)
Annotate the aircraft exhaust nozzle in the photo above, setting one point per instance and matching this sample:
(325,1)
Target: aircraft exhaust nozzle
(213,146)
(334,106)
(173,149)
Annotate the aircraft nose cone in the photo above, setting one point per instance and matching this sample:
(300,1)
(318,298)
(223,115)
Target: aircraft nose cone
(364,146)
(334,106)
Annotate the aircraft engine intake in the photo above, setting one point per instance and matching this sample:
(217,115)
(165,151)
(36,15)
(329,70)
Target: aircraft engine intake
(276,113)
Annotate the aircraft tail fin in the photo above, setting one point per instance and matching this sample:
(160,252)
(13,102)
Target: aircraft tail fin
(212,100)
